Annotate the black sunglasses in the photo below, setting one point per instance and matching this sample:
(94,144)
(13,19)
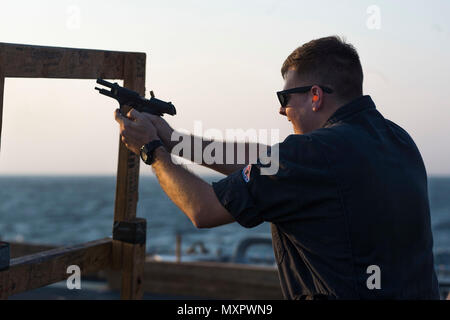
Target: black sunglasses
(283,96)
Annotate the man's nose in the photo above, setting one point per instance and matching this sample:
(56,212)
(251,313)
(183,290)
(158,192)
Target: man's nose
(282,111)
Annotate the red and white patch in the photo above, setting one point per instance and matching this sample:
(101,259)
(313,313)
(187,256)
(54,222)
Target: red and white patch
(246,173)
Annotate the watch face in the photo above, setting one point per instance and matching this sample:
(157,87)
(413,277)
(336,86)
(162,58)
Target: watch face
(144,156)
(147,151)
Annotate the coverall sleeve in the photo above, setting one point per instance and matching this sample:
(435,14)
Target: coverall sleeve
(252,196)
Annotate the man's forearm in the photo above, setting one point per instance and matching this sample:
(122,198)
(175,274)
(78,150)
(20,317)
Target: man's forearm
(191,194)
(235,155)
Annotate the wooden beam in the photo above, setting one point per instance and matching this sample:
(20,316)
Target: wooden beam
(129,257)
(24,249)
(201,279)
(128,165)
(214,280)
(133,271)
(26,61)
(20,249)
(43,268)
(2,89)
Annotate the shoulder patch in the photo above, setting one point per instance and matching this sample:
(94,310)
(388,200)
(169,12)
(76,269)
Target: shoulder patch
(246,173)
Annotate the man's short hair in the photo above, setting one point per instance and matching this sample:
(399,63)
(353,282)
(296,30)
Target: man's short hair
(328,61)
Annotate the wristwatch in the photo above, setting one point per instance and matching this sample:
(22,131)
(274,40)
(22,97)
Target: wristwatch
(147,151)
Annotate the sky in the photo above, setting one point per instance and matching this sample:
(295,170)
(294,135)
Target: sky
(219,63)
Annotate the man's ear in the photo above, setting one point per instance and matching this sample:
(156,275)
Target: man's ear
(316,100)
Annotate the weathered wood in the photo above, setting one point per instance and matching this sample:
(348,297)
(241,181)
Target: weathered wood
(19,249)
(26,61)
(24,249)
(129,257)
(132,231)
(2,89)
(4,277)
(43,268)
(133,271)
(128,165)
(209,280)
(201,279)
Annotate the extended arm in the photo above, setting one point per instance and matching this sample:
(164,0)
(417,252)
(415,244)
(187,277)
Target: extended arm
(192,195)
(243,153)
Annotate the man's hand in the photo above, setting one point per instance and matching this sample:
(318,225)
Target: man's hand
(136,129)
(192,195)
(163,129)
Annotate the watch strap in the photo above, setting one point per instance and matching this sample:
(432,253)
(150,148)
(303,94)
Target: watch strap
(149,150)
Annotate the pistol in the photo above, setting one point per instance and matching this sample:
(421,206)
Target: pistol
(131,98)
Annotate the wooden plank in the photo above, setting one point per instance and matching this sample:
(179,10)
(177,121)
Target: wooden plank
(130,258)
(2,89)
(43,268)
(128,165)
(213,280)
(19,249)
(24,249)
(201,279)
(133,271)
(54,62)
(209,280)
(4,281)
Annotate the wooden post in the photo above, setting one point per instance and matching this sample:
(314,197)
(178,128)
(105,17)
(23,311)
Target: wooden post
(2,89)
(4,276)
(5,256)
(129,257)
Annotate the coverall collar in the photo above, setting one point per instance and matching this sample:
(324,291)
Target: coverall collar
(359,104)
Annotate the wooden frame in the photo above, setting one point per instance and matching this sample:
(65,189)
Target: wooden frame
(37,270)
(202,279)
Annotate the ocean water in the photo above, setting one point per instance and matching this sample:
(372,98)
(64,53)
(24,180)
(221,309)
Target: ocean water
(70,210)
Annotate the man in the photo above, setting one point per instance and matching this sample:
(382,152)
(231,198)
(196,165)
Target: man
(348,206)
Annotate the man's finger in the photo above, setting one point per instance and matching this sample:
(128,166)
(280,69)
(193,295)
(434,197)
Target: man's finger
(121,119)
(152,117)
(130,146)
(129,141)
(134,114)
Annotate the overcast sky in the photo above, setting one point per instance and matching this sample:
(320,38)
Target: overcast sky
(218,62)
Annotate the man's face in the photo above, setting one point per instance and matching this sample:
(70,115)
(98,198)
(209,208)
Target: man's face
(299,110)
